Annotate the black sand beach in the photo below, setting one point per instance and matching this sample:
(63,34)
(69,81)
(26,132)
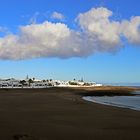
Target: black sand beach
(61,114)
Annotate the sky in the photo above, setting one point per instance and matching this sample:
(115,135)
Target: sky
(97,40)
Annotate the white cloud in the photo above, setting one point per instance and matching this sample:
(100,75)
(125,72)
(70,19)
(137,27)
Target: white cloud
(100,28)
(57,15)
(42,40)
(107,33)
(98,34)
(131,30)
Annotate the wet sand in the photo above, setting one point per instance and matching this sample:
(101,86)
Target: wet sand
(61,114)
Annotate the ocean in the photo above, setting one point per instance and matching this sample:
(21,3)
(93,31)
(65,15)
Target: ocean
(131,102)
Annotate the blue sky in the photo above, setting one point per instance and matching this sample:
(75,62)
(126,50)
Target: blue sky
(121,66)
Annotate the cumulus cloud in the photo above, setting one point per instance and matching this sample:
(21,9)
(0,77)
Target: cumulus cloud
(131,30)
(42,40)
(57,15)
(98,34)
(104,32)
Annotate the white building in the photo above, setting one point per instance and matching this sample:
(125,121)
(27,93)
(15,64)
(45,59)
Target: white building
(36,83)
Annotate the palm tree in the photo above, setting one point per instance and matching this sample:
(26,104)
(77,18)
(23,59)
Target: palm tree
(30,81)
(23,82)
(43,80)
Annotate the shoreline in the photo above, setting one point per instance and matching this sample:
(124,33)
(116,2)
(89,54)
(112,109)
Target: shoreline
(112,98)
(113,104)
(61,113)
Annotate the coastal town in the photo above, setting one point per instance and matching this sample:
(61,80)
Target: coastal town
(37,83)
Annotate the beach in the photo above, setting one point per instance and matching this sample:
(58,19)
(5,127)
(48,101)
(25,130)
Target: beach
(62,114)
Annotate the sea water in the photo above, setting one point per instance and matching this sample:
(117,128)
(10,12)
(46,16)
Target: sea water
(131,102)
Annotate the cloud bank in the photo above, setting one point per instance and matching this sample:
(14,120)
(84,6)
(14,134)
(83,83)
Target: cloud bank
(98,34)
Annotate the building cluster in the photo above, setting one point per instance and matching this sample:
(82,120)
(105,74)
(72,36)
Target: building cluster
(35,83)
